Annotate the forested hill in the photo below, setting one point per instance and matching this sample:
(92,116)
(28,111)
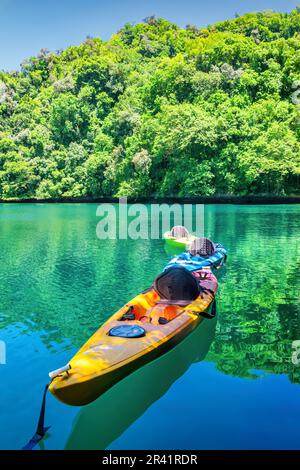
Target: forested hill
(157,110)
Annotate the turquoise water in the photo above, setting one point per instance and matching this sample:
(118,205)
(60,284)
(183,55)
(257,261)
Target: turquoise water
(230,384)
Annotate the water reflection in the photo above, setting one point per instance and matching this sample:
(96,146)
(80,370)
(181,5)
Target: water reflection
(259,314)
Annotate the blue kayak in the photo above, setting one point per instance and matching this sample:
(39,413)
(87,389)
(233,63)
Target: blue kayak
(193,263)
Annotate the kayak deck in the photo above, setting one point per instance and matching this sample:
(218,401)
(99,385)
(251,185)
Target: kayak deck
(106,359)
(183,242)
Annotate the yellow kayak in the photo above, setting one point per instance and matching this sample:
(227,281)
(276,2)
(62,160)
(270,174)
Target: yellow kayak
(141,330)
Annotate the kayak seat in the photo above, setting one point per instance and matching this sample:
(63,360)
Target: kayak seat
(179,232)
(202,247)
(176,286)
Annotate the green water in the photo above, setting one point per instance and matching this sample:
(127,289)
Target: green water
(230,384)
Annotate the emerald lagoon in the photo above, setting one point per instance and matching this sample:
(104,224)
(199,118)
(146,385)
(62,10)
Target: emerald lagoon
(231,384)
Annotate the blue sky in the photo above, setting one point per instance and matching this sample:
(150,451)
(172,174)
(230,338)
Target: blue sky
(26,26)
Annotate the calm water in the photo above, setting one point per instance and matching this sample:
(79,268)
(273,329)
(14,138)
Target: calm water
(230,384)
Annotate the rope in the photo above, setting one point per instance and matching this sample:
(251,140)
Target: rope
(41,429)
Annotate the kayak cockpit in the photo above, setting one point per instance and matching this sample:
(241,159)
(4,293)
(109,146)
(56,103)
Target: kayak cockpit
(158,314)
(174,288)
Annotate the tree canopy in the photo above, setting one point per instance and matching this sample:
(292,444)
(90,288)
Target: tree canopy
(157,111)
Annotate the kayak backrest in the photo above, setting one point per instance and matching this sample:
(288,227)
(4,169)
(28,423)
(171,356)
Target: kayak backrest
(177,285)
(202,246)
(179,232)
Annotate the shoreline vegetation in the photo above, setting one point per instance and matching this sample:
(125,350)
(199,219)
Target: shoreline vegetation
(252,199)
(155,111)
